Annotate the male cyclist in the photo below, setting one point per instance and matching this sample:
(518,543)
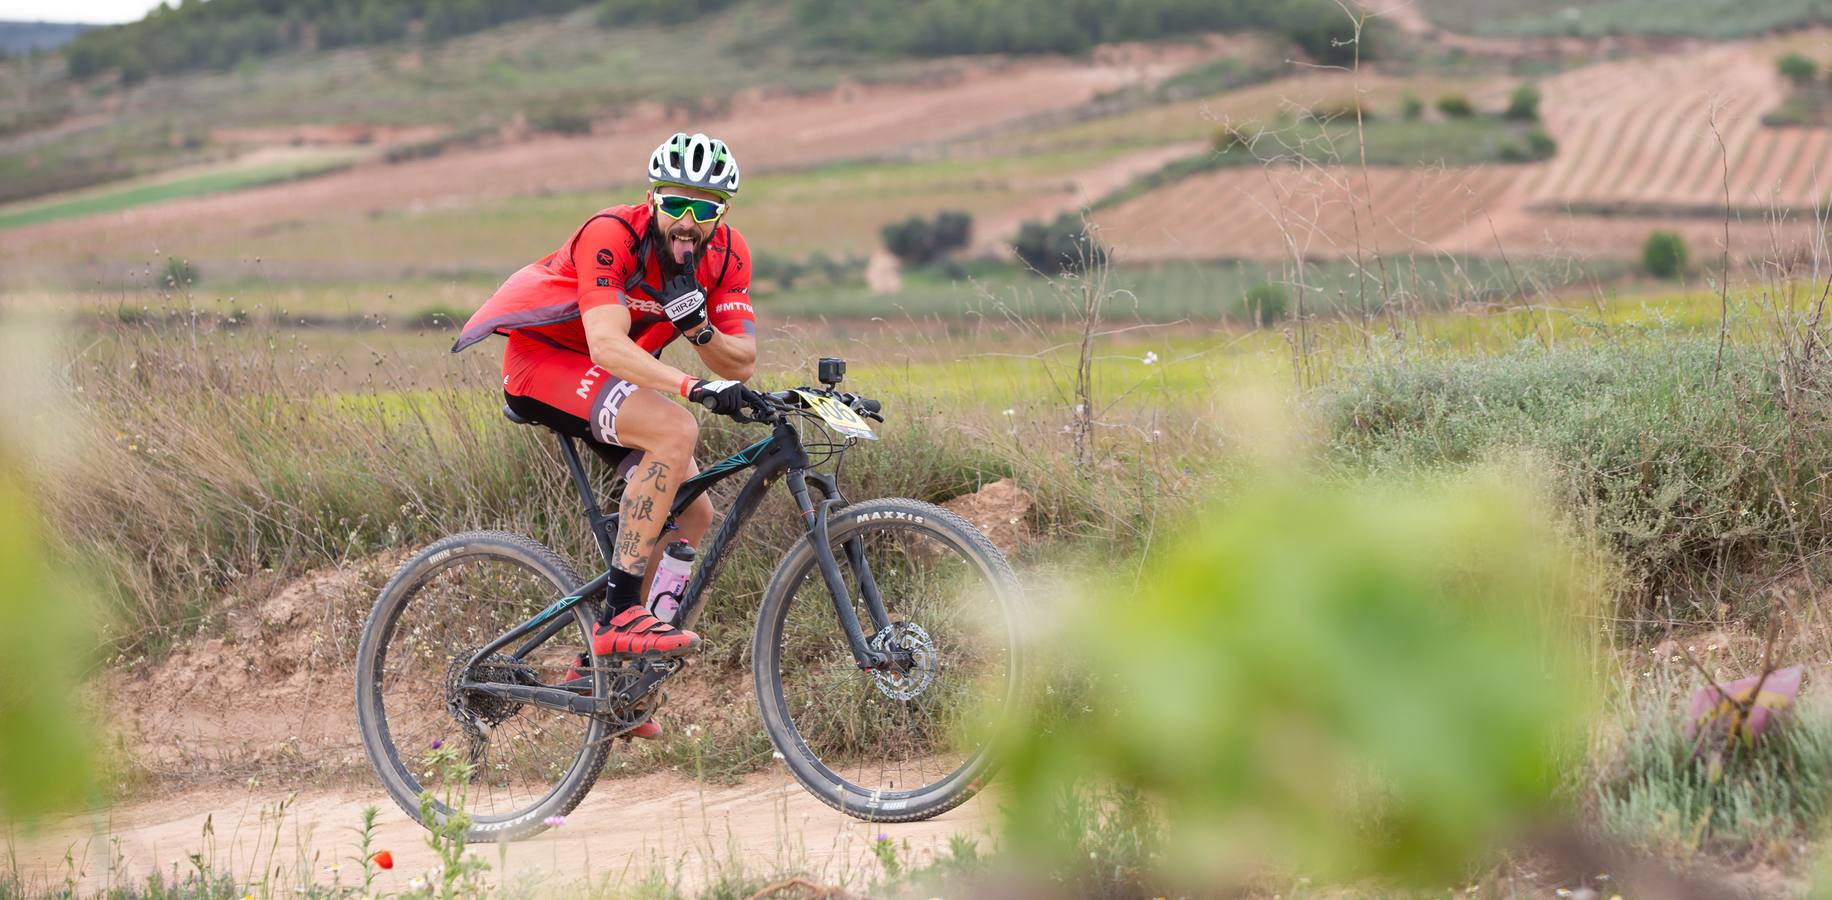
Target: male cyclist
(586,327)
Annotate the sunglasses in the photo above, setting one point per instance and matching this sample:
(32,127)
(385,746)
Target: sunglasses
(675,206)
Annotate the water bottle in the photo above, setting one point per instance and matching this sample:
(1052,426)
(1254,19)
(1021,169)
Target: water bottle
(670,580)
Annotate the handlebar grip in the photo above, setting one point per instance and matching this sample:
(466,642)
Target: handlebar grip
(870,406)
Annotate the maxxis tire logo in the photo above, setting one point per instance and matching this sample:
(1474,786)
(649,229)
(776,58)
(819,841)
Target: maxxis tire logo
(888,515)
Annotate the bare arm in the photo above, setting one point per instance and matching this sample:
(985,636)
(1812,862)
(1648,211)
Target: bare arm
(732,356)
(607,334)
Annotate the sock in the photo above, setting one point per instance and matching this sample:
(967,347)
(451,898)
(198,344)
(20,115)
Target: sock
(625,592)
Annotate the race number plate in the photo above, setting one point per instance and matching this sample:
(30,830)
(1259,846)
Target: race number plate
(838,416)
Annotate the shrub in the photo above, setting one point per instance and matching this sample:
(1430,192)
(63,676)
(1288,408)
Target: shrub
(1411,107)
(918,241)
(1456,106)
(1050,248)
(777,270)
(1664,255)
(1797,69)
(1541,144)
(1523,105)
(558,121)
(1535,145)
(1267,302)
(1688,468)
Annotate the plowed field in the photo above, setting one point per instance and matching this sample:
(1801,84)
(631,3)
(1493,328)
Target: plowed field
(1638,150)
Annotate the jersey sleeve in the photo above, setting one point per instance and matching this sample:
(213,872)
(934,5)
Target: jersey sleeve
(728,306)
(604,256)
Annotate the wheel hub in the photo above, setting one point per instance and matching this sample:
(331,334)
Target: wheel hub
(909,641)
(474,708)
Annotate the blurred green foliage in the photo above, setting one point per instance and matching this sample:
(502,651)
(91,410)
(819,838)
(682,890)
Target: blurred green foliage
(1345,681)
(45,755)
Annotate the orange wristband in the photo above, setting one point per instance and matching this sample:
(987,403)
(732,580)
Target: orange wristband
(686,385)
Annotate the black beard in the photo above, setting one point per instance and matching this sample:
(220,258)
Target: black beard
(664,252)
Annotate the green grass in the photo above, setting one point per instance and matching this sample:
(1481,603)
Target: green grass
(1702,18)
(127,197)
(1205,292)
(1661,792)
(1479,140)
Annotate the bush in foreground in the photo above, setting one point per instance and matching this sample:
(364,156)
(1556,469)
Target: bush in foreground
(1362,681)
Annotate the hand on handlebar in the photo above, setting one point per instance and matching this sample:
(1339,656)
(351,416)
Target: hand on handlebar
(727,398)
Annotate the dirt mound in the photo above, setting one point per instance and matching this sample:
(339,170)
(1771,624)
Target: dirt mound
(1000,510)
(265,687)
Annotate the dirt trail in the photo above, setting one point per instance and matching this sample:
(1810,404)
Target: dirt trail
(627,828)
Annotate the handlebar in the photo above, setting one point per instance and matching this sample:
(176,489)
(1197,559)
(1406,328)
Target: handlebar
(767,408)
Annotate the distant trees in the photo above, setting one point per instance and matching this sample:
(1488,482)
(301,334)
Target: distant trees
(1523,106)
(1456,106)
(1797,69)
(1267,302)
(918,242)
(221,33)
(1063,245)
(943,27)
(1664,255)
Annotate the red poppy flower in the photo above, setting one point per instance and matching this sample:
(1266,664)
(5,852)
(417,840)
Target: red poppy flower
(384,859)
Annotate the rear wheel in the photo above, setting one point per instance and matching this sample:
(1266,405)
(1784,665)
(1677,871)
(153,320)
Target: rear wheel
(882,746)
(457,595)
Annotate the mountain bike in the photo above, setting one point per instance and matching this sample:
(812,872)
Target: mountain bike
(885,655)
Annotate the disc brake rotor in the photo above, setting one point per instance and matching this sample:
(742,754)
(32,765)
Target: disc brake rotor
(909,640)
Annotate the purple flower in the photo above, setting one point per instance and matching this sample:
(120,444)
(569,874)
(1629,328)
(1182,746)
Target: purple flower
(554,821)
(882,837)
(437,743)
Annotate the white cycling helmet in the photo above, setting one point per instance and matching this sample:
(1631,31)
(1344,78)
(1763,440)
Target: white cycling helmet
(696,161)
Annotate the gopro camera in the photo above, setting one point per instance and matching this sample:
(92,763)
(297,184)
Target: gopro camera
(831,371)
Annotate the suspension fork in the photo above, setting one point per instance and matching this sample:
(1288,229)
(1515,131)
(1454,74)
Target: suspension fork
(855,556)
(815,518)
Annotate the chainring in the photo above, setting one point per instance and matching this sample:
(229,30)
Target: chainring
(909,638)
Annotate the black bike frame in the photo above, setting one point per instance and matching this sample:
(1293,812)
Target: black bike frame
(773,457)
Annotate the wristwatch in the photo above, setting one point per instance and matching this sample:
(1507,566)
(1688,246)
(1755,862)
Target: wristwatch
(702,337)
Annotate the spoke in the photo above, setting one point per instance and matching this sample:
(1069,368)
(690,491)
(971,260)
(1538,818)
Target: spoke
(898,734)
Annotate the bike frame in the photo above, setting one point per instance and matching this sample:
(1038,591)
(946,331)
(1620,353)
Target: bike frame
(773,457)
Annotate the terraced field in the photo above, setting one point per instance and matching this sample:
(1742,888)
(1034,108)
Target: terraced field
(1637,151)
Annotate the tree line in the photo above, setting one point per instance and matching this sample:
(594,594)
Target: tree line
(219,34)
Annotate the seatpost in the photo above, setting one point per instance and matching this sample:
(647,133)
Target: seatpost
(593,514)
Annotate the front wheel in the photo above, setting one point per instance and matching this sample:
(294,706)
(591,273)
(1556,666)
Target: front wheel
(891,746)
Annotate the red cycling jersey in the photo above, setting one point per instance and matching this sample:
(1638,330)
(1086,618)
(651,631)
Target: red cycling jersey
(548,372)
(611,259)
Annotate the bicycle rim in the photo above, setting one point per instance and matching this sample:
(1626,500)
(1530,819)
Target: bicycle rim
(913,743)
(520,756)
